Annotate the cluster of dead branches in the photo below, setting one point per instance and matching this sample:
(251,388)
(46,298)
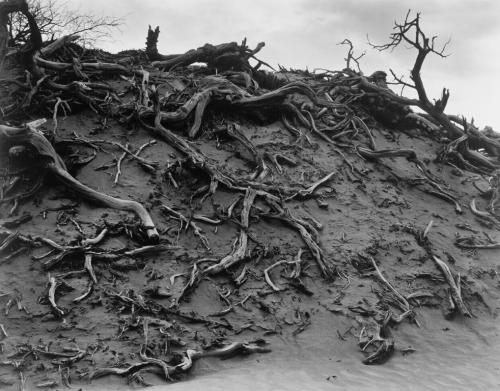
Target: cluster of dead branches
(332,108)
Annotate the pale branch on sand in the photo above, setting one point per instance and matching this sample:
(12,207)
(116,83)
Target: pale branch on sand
(284,215)
(240,250)
(188,222)
(53,284)
(402,301)
(12,136)
(188,357)
(454,284)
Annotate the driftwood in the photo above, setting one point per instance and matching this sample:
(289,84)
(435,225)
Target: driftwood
(12,136)
(331,106)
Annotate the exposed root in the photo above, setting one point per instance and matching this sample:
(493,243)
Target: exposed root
(190,356)
(454,286)
(403,302)
(239,252)
(310,190)
(15,136)
(119,166)
(189,223)
(51,295)
(284,215)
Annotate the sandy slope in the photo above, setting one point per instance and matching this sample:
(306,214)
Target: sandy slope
(363,216)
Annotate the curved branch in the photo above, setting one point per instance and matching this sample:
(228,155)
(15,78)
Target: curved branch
(11,136)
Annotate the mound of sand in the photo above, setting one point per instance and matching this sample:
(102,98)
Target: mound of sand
(158,216)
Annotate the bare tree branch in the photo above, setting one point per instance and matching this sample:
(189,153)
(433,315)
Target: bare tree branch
(350,54)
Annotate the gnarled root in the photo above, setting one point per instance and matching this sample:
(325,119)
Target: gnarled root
(11,136)
(189,356)
(239,253)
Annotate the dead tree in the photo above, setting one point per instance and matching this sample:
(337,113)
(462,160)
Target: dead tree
(151,43)
(410,32)
(17,6)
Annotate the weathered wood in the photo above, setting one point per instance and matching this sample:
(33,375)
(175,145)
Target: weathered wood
(11,136)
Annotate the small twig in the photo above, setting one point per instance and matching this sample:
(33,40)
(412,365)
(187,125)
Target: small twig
(426,231)
(401,298)
(142,147)
(268,279)
(4,333)
(455,289)
(118,166)
(52,292)
(65,106)
(307,192)
(96,240)
(89,268)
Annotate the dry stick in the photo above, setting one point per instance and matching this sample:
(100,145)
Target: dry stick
(198,113)
(96,240)
(142,147)
(446,197)
(495,192)
(205,219)
(485,215)
(106,200)
(298,261)
(85,294)
(295,273)
(427,229)
(89,268)
(4,333)
(118,371)
(401,298)
(296,132)
(119,165)
(368,131)
(22,380)
(196,230)
(162,364)
(232,206)
(268,279)
(189,356)
(329,141)
(149,164)
(411,156)
(226,351)
(307,192)
(262,169)
(54,117)
(239,252)
(14,136)
(172,180)
(490,246)
(61,66)
(285,216)
(51,295)
(455,289)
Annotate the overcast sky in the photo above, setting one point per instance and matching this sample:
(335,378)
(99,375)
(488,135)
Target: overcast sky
(305,33)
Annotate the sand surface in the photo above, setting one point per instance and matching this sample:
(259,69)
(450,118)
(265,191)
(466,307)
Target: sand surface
(365,216)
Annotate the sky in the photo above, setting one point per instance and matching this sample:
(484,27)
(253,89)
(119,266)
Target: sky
(306,33)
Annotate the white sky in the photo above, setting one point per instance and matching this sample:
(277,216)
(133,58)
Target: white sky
(305,33)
